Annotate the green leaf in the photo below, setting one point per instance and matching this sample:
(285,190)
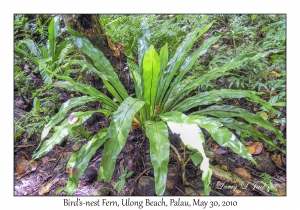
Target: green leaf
(248,130)
(32,46)
(231,111)
(196,158)
(157,133)
(191,136)
(222,136)
(143,42)
(253,17)
(53,30)
(134,73)
(79,161)
(65,107)
(214,96)
(151,69)
(63,130)
(36,105)
(117,135)
(180,55)
(234,63)
(98,58)
(59,190)
(113,86)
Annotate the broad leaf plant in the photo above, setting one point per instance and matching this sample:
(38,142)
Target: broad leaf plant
(163,96)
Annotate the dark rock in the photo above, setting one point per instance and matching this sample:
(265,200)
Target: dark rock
(103,189)
(89,176)
(264,164)
(146,185)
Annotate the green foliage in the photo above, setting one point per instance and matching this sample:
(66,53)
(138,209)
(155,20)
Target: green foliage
(163,93)
(121,182)
(51,55)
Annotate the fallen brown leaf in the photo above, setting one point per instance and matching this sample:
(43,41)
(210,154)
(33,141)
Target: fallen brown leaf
(255,148)
(277,159)
(242,172)
(45,188)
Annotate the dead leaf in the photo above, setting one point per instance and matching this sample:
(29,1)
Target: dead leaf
(215,147)
(255,148)
(275,74)
(25,167)
(251,150)
(44,161)
(115,50)
(277,159)
(73,171)
(281,189)
(76,147)
(264,115)
(242,172)
(216,46)
(52,159)
(237,191)
(45,188)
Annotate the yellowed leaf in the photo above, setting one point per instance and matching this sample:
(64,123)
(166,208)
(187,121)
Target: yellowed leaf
(251,150)
(44,161)
(277,159)
(72,95)
(52,159)
(237,191)
(256,146)
(45,188)
(275,74)
(264,115)
(242,172)
(216,46)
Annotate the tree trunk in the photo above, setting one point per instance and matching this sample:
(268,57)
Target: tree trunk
(90,27)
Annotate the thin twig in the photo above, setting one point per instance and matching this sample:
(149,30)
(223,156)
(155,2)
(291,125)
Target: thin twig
(180,191)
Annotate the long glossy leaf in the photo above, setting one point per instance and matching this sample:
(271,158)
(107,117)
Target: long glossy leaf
(117,135)
(134,73)
(98,58)
(61,131)
(231,111)
(22,52)
(214,96)
(164,58)
(53,30)
(191,59)
(177,59)
(31,45)
(114,87)
(157,133)
(65,107)
(79,161)
(234,63)
(143,42)
(247,129)
(151,69)
(222,135)
(191,136)
(180,56)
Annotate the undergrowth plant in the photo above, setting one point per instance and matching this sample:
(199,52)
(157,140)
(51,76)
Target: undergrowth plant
(163,97)
(52,55)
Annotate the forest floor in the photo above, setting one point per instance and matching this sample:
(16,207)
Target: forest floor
(232,175)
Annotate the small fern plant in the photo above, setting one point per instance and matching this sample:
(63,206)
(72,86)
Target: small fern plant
(162,97)
(52,55)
